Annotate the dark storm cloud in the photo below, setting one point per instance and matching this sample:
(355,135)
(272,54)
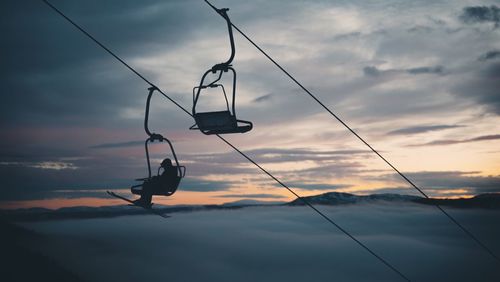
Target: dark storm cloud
(128,26)
(452,142)
(316,156)
(76,194)
(421,129)
(118,145)
(37,176)
(317,186)
(420,29)
(490,55)
(392,190)
(375,72)
(65,100)
(304,151)
(421,70)
(480,14)
(334,170)
(435,181)
(284,152)
(275,155)
(492,71)
(263,98)
(55,74)
(193,184)
(482,87)
(348,36)
(327,164)
(371,71)
(230,163)
(37,154)
(28,181)
(203,168)
(37,180)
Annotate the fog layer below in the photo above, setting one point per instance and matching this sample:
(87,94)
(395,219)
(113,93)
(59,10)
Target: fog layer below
(277,244)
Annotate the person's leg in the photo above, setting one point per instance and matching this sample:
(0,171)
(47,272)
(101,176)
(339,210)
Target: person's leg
(145,193)
(146,199)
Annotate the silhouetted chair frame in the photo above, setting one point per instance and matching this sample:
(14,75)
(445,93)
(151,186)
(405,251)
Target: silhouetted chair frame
(161,184)
(219,122)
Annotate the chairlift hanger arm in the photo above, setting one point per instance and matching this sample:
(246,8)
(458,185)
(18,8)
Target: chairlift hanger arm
(233,102)
(147,156)
(153,136)
(225,65)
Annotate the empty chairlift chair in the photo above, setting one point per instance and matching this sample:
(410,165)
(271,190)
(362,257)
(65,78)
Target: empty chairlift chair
(225,121)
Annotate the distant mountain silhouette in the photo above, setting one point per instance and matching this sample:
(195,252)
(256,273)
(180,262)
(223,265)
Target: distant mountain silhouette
(337,198)
(487,201)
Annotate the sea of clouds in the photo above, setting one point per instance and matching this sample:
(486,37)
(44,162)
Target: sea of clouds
(276,244)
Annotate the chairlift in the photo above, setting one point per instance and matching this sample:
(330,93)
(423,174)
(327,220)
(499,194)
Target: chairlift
(169,175)
(225,121)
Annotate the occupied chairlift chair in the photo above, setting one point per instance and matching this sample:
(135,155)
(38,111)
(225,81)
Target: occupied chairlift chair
(166,183)
(219,122)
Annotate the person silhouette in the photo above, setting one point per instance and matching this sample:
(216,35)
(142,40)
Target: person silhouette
(155,183)
(169,171)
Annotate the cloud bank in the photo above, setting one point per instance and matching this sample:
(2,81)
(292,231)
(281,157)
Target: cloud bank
(276,244)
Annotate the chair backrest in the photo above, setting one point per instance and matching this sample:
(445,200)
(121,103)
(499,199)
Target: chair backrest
(167,182)
(221,120)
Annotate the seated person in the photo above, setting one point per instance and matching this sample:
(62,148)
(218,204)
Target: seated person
(169,171)
(156,185)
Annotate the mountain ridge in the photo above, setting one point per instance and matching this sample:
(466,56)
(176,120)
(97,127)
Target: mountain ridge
(487,200)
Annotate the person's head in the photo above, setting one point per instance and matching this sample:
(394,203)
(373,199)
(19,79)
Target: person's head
(166,163)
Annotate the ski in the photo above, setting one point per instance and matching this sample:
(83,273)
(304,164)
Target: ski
(132,203)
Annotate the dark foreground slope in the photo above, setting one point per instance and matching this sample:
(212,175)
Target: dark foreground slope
(20,263)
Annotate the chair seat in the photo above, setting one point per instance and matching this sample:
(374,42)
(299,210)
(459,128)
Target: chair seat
(158,186)
(220,122)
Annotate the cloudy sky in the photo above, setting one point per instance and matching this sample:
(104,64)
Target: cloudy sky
(418,80)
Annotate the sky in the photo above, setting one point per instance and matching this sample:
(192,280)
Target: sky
(418,80)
